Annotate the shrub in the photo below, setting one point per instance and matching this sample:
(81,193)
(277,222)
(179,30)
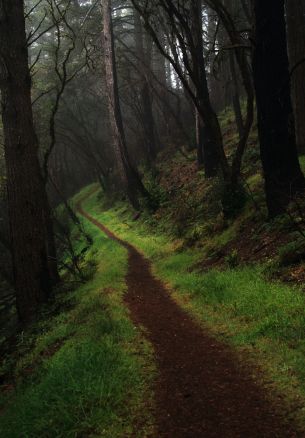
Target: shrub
(291,253)
(232,259)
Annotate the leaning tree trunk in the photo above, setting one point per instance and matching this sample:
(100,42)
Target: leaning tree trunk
(282,173)
(25,184)
(295,13)
(129,178)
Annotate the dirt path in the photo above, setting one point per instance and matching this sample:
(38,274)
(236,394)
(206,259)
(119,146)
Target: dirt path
(202,390)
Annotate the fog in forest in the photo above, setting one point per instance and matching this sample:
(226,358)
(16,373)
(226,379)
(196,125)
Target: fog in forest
(152,149)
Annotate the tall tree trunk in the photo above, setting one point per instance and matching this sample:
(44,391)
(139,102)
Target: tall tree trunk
(130,179)
(295,13)
(199,139)
(145,54)
(26,192)
(161,69)
(207,137)
(211,42)
(236,97)
(227,12)
(282,173)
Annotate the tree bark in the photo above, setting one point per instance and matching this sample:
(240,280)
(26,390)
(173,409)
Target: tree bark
(295,13)
(199,139)
(26,192)
(246,76)
(208,138)
(129,178)
(236,97)
(282,173)
(144,89)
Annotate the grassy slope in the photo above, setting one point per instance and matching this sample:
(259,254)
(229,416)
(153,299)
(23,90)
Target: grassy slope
(88,371)
(263,320)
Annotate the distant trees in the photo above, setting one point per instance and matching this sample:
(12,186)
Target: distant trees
(182,23)
(282,173)
(183,28)
(25,186)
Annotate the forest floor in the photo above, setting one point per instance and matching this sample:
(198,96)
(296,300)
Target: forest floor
(156,342)
(203,387)
(195,327)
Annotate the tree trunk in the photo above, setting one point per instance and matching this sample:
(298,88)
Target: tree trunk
(26,192)
(129,178)
(236,97)
(282,173)
(199,139)
(295,13)
(206,133)
(213,84)
(144,54)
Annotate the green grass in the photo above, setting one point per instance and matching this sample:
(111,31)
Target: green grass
(89,370)
(264,320)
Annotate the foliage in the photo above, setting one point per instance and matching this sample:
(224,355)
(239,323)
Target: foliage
(291,253)
(158,197)
(232,259)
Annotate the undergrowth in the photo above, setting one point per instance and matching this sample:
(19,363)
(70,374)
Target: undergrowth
(86,369)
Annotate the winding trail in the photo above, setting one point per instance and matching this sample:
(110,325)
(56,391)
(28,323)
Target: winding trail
(203,390)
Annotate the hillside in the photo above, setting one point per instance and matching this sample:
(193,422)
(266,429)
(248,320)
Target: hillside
(191,210)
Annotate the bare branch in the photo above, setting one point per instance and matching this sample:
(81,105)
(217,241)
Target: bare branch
(32,9)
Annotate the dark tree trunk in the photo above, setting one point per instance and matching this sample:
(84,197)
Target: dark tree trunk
(282,173)
(25,185)
(295,12)
(144,54)
(130,180)
(226,12)
(199,139)
(213,83)
(209,137)
(236,97)
(161,69)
